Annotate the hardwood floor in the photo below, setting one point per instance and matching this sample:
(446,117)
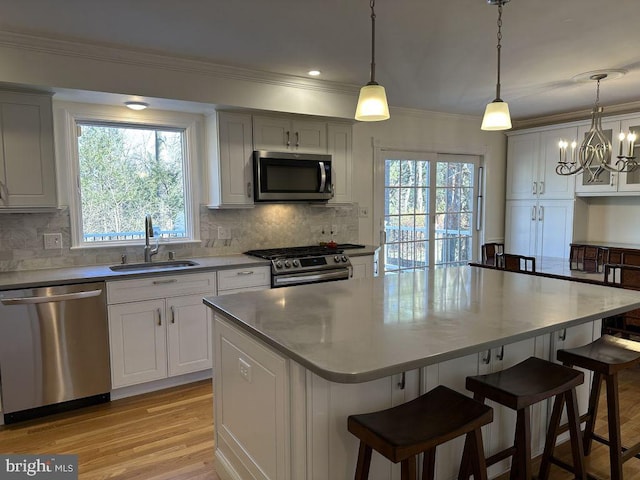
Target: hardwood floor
(156,436)
(169,435)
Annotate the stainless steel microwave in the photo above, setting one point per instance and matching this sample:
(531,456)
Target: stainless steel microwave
(292,177)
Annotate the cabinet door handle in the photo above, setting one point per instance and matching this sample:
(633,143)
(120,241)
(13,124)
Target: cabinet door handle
(533,213)
(246,272)
(487,358)
(159,317)
(173,315)
(534,190)
(288,138)
(500,354)
(541,191)
(402,383)
(297,139)
(164,282)
(612,176)
(563,334)
(249,189)
(540,213)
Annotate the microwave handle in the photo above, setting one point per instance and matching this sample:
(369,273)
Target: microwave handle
(323,176)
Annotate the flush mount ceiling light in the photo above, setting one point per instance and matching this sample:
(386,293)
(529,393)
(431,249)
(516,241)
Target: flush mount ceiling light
(594,155)
(314,73)
(136,105)
(372,102)
(496,115)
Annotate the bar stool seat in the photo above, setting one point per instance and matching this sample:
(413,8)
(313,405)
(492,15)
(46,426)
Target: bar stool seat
(420,425)
(606,357)
(521,386)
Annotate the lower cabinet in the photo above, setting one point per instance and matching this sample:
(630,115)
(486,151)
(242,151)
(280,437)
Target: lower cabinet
(243,279)
(362,266)
(165,333)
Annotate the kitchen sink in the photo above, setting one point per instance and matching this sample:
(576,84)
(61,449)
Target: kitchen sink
(128,267)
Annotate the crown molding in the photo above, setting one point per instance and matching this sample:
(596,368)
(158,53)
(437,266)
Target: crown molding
(81,49)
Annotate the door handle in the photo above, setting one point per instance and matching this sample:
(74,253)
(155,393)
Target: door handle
(487,358)
(173,315)
(541,191)
(297,139)
(540,213)
(500,354)
(249,189)
(288,138)
(323,177)
(534,190)
(53,298)
(159,317)
(533,213)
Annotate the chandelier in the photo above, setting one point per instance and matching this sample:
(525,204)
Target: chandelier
(595,152)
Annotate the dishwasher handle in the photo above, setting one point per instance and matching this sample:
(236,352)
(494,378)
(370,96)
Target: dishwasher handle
(51,298)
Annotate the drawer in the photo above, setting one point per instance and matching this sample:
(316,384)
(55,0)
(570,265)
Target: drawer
(244,278)
(160,287)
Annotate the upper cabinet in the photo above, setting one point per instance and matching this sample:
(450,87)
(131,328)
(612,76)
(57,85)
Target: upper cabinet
(233,136)
(27,164)
(611,183)
(531,166)
(284,134)
(230,150)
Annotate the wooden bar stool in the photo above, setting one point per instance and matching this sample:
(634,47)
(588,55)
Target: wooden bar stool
(606,357)
(519,387)
(420,425)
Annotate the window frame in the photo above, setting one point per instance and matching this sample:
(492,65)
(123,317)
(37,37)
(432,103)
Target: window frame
(73,114)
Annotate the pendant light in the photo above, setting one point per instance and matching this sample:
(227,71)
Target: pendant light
(372,102)
(496,115)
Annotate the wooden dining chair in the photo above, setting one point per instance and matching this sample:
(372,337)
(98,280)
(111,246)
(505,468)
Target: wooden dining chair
(627,276)
(517,263)
(490,251)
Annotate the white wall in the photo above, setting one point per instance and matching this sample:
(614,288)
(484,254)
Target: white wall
(612,220)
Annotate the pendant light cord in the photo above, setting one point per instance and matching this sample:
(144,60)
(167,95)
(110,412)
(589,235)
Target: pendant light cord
(372,4)
(499,47)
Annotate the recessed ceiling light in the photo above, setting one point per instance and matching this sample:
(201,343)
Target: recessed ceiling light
(314,73)
(136,105)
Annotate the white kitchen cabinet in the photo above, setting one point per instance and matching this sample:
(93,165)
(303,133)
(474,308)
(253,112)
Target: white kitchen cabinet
(230,149)
(27,165)
(362,266)
(287,134)
(539,227)
(607,182)
(243,279)
(340,149)
(156,329)
(531,166)
(499,434)
(630,181)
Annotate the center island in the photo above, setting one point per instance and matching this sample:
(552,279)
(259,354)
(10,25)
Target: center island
(292,363)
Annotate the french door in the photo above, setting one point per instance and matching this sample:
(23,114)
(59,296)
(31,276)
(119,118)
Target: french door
(426,207)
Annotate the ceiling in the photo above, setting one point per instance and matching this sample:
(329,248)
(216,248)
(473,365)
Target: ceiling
(430,54)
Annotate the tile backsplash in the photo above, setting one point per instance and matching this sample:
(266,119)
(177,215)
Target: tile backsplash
(265,226)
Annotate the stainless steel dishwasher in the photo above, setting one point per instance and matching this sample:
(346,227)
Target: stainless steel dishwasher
(54,349)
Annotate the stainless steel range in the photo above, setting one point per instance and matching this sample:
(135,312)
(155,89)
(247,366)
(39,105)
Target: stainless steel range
(309,264)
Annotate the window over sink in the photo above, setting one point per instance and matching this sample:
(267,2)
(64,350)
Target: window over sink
(124,167)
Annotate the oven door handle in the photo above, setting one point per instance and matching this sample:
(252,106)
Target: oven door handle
(323,177)
(300,278)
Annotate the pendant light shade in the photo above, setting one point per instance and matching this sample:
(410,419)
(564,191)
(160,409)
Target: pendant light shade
(372,102)
(496,116)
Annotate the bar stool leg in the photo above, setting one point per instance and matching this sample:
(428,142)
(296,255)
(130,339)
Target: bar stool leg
(613,418)
(364,462)
(408,468)
(521,462)
(573,417)
(429,465)
(594,400)
(476,449)
(550,441)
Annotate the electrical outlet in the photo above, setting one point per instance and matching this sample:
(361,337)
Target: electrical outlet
(245,369)
(363,212)
(224,233)
(52,241)
(334,229)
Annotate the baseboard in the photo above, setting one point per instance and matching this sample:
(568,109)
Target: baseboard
(147,387)
(224,469)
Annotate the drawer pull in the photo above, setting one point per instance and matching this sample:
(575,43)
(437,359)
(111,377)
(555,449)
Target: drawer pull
(159,317)
(164,282)
(173,315)
(246,272)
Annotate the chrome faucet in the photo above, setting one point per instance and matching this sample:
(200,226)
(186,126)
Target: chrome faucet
(148,232)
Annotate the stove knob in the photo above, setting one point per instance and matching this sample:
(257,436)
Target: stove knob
(287,264)
(278,264)
(296,263)
(344,258)
(336,259)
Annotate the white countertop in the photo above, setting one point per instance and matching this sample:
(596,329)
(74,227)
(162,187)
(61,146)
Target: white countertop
(359,330)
